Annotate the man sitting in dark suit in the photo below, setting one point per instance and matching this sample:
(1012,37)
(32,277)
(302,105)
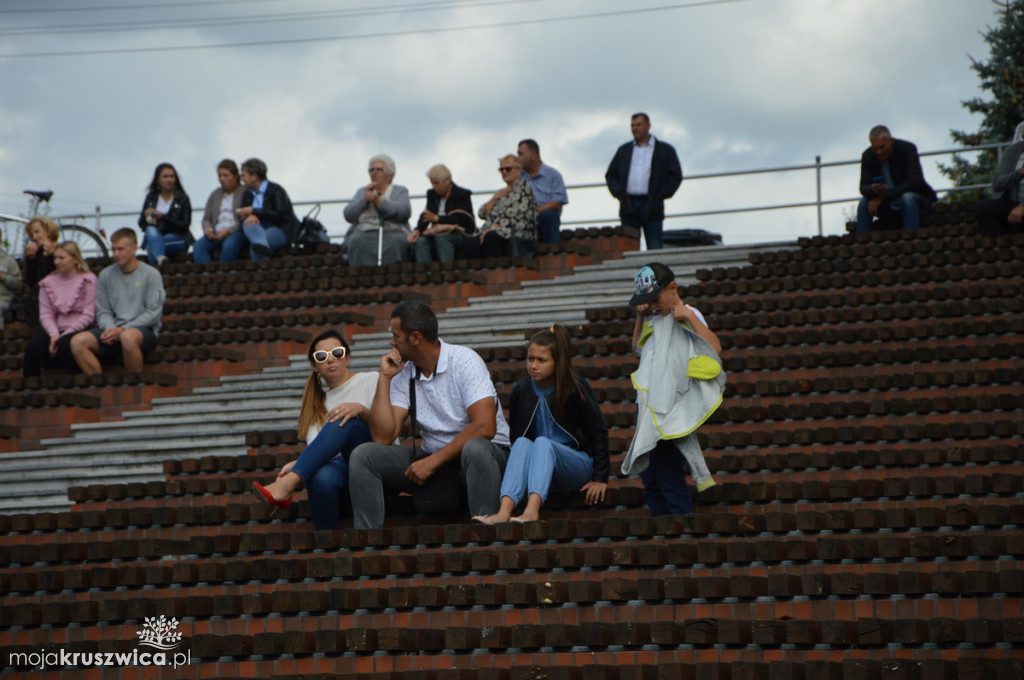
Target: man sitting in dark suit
(891,182)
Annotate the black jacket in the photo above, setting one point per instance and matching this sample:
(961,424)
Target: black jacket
(907,175)
(666,176)
(277,210)
(177,220)
(460,200)
(582,419)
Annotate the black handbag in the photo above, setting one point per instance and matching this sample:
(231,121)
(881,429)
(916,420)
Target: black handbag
(311,231)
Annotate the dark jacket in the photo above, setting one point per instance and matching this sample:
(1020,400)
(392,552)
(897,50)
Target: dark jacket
(666,176)
(458,209)
(276,211)
(177,220)
(907,175)
(582,420)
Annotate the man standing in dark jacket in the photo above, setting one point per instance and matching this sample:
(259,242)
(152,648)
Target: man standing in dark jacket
(642,175)
(892,182)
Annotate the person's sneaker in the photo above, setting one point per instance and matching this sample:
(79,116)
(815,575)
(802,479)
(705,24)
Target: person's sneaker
(261,249)
(161,260)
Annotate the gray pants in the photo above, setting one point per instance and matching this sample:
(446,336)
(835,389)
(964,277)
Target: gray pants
(376,468)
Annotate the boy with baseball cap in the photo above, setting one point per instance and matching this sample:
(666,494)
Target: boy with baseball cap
(679,385)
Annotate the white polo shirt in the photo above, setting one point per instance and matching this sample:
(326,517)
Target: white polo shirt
(442,401)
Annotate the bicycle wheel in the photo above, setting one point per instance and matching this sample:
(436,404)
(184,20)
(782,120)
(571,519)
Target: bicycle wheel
(89,242)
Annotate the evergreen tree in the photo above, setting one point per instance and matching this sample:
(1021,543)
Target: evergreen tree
(1003,76)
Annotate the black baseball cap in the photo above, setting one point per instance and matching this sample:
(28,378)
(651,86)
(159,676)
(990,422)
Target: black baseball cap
(650,281)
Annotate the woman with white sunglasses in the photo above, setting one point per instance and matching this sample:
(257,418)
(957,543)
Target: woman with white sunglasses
(333,420)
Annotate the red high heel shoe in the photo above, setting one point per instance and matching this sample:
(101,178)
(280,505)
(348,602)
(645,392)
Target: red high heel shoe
(261,492)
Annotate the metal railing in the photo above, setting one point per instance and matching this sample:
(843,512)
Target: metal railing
(332,214)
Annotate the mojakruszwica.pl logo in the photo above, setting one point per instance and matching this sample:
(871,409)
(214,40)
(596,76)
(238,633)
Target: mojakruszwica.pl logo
(159,634)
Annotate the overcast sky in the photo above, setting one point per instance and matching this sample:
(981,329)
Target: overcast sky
(315,88)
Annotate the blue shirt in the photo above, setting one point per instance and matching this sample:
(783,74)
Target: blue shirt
(547,185)
(257,196)
(543,424)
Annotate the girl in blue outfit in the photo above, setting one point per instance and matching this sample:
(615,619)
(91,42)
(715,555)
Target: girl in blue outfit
(334,423)
(558,434)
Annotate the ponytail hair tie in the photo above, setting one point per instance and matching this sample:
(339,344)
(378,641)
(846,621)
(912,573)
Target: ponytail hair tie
(552,329)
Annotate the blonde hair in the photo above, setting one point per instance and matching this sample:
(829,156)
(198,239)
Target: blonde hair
(49,226)
(511,158)
(72,249)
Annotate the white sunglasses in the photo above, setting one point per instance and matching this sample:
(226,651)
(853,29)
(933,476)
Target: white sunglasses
(320,356)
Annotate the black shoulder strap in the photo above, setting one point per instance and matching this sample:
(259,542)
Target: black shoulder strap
(412,407)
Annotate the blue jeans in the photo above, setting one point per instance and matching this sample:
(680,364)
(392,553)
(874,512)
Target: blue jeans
(549,225)
(440,248)
(652,228)
(157,244)
(325,476)
(535,466)
(270,238)
(909,206)
(230,248)
(665,487)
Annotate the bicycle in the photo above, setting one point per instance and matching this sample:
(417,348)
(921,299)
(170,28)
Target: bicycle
(13,237)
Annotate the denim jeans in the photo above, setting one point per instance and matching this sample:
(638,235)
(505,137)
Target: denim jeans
(665,487)
(230,248)
(325,475)
(376,468)
(549,227)
(270,238)
(652,228)
(157,244)
(535,466)
(440,248)
(909,206)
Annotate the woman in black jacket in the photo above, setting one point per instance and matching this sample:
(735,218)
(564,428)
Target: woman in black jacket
(559,438)
(166,216)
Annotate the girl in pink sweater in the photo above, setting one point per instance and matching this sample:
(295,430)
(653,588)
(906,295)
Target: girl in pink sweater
(67,304)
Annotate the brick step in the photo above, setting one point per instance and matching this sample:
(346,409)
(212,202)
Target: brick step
(132,588)
(777,330)
(891,466)
(1003,281)
(887,529)
(569,628)
(217,499)
(900,260)
(227,303)
(947,240)
(662,664)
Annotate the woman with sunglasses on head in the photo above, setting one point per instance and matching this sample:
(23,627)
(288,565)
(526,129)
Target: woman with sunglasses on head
(332,419)
(509,218)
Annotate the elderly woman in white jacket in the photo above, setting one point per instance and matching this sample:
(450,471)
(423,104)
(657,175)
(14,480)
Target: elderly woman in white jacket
(379,211)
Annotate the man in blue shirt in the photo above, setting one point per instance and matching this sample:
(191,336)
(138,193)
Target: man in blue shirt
(548,189)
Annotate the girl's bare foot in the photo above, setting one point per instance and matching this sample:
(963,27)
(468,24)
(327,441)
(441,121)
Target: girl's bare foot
(527,517)
(490,519)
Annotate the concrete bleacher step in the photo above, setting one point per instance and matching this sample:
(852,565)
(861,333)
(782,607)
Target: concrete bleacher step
(500,321)
(198,422)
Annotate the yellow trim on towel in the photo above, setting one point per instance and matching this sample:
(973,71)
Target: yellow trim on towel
(664,435)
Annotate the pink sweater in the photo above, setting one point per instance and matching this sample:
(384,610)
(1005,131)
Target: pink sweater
(67,302)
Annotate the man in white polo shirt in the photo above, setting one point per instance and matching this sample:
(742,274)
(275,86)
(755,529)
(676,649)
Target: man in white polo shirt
(464,434)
